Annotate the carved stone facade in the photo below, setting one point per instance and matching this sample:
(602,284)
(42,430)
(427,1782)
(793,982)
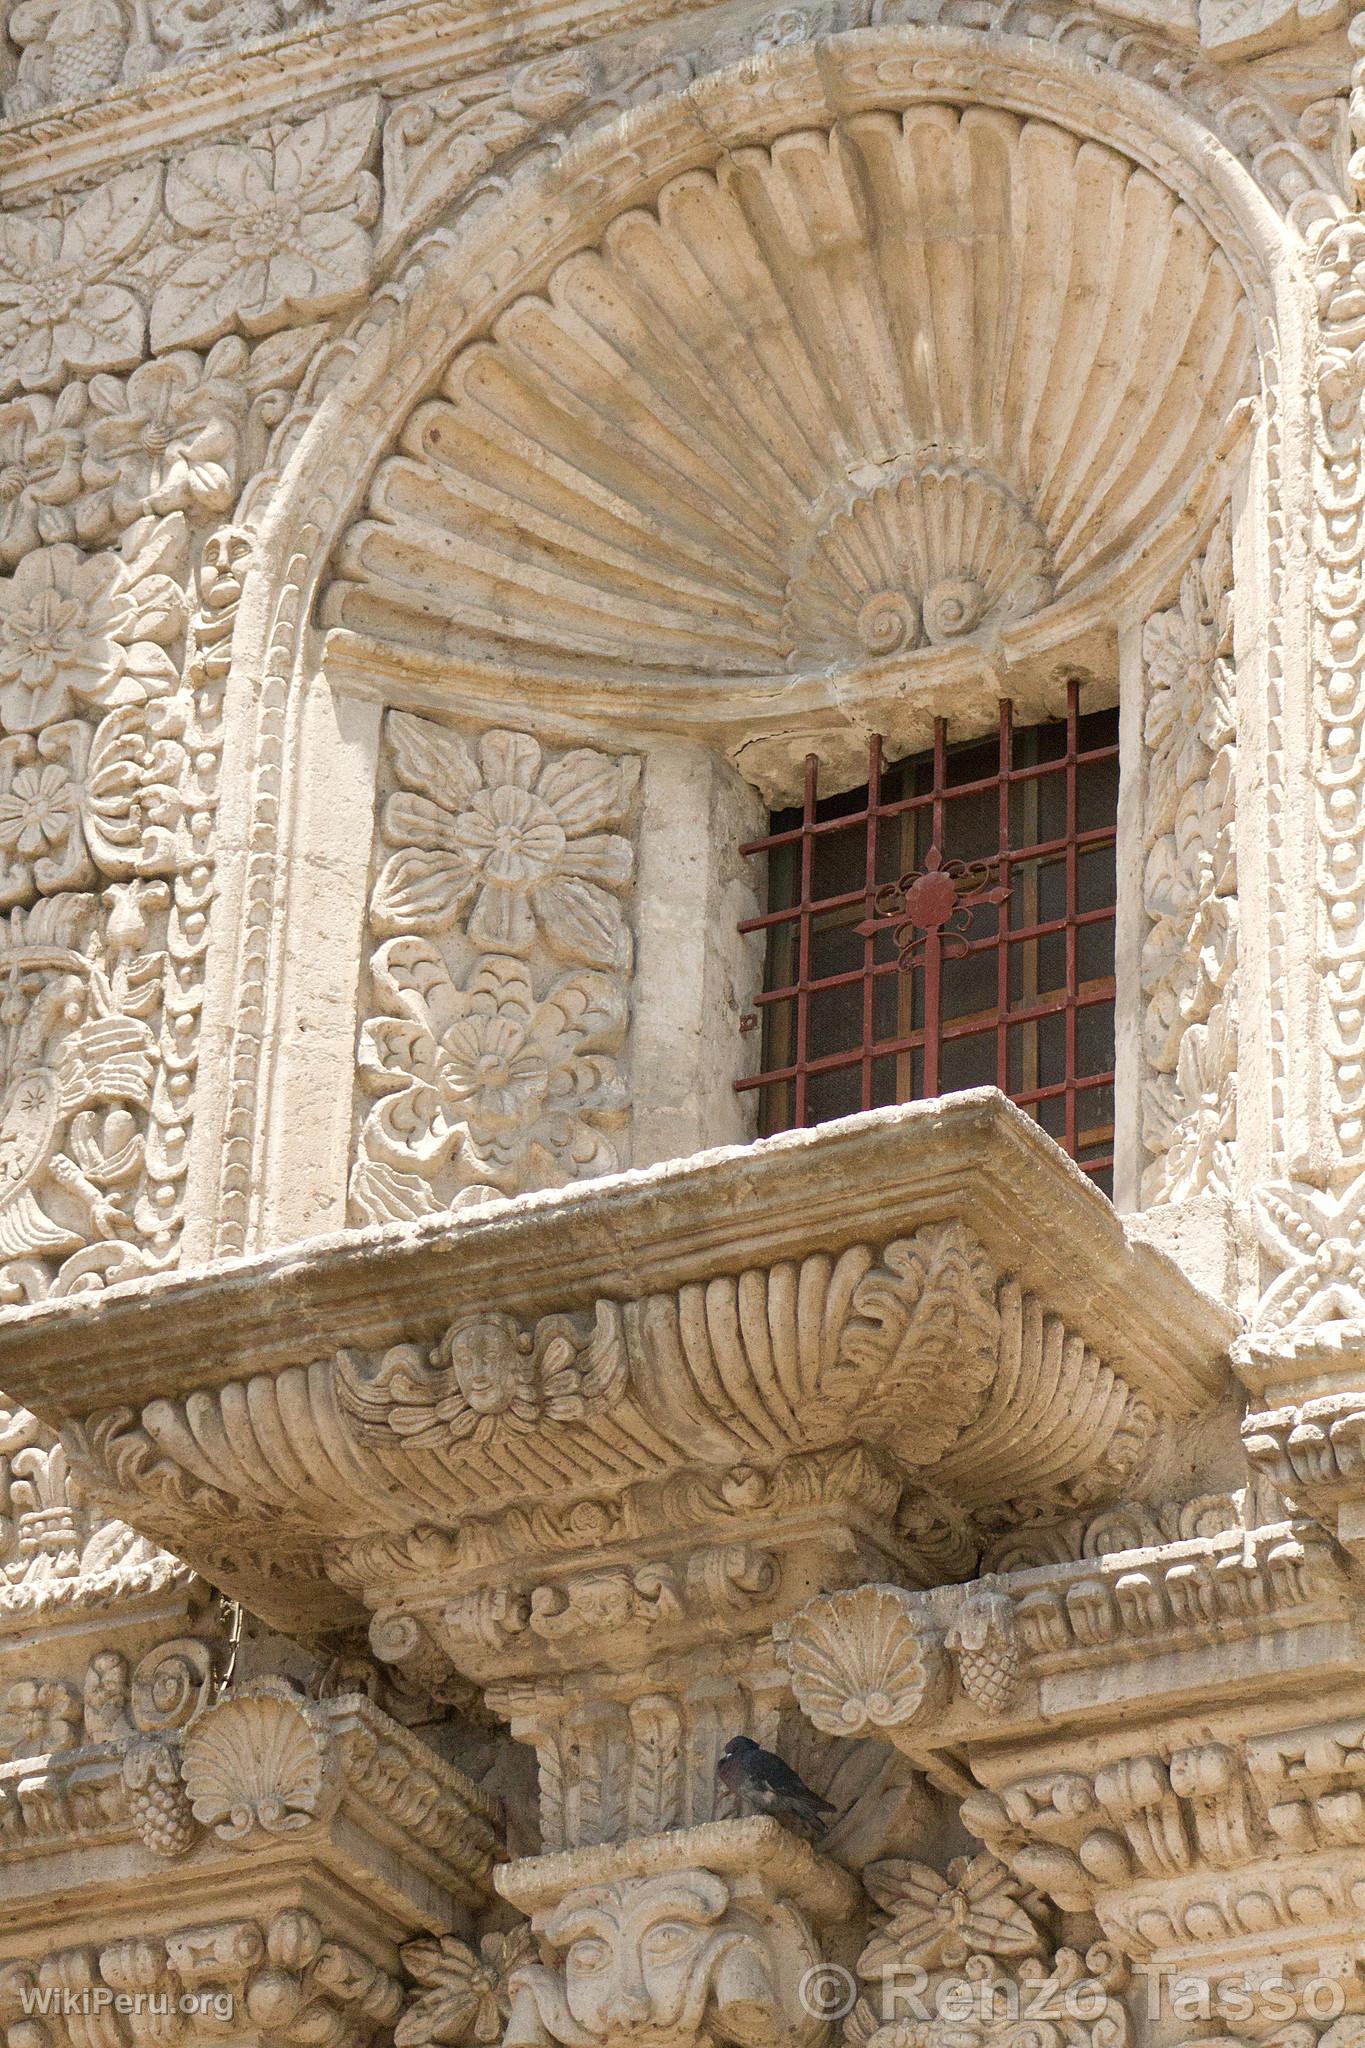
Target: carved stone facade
(457,466)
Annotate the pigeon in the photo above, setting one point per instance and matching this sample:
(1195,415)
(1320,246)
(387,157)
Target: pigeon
(764,1784)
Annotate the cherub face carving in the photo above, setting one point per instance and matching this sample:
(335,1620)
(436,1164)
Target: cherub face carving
(488,1358)
(488,1376)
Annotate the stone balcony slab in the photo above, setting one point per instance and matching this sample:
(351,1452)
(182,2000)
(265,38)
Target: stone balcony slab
(559,1415)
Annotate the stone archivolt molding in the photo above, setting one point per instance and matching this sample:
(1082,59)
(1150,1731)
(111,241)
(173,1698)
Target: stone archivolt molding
(736,1354)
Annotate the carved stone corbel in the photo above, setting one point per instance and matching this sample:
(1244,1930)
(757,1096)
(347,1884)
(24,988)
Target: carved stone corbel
(705,1935)
(1305,1429)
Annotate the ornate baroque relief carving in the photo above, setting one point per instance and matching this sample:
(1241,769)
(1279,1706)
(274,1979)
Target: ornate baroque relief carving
(1189,962)
(271,1972)
(781,519)
(108,784)
(979,1945)
(501,973)
(703,1935)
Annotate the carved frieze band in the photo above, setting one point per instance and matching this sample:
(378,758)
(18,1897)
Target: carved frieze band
(958,1374)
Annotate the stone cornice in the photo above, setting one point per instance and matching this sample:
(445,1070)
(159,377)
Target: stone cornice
(758,1848)
(399,48)
(888,1171)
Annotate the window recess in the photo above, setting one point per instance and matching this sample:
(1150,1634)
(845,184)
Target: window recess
(949,924)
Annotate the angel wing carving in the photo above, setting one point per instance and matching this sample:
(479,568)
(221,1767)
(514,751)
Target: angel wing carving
(488,1376)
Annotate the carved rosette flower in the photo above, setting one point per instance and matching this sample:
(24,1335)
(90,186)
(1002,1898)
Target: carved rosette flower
(271,232)
(940,1921)
(464,2000)
(41,787)
(166,439)
(58,312)
(88,630)
(508,841)
(40,470)
(484,1088)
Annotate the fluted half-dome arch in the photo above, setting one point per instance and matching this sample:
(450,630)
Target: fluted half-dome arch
(882,387)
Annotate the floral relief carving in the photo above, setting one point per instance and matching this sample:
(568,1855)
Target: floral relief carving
(107,784)
(166,439)
(272,231)
(940,1920)
(985,1940)
(60,312)
(483,1087)
(511,840)
(40,470)
(464,2000)
(1189,961)
(94,630)
(78,1059)
(41,790)
(495,1069)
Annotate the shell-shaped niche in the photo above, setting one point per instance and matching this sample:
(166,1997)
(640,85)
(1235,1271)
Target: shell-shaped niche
(870,388)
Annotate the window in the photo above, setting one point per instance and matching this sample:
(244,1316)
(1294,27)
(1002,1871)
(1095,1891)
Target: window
(950,924)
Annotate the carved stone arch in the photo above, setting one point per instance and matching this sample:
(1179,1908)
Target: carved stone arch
(507,249)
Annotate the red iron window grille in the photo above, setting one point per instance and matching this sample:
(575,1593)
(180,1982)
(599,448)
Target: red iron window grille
(947,925)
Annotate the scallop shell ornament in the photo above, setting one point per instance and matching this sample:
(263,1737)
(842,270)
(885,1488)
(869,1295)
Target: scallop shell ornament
(256,1762)
(866,1659)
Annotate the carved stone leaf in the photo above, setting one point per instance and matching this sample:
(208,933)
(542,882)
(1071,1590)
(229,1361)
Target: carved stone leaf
(921,1343)
(430,758)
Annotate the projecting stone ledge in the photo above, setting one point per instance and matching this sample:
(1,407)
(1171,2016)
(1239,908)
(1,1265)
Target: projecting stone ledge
(654,1410)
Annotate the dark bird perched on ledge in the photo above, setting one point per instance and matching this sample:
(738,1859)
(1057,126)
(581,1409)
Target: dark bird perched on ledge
(764,1784)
